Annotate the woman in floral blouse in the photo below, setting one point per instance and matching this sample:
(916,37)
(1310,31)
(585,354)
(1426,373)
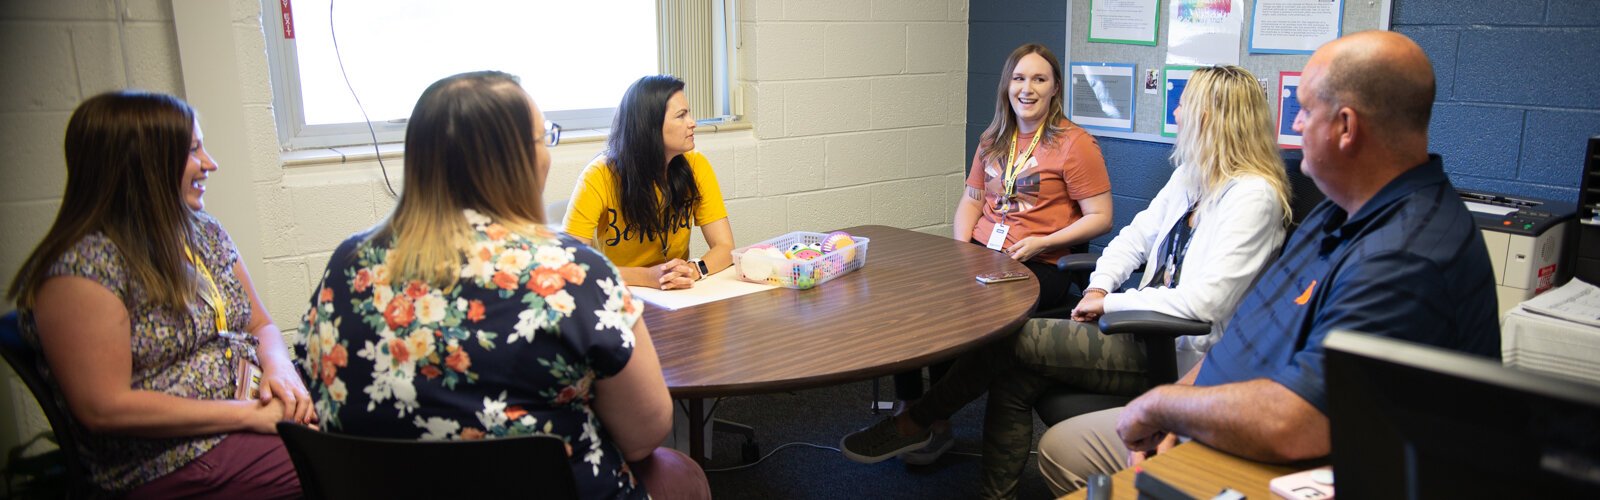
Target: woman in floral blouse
(462,316)
(143,311)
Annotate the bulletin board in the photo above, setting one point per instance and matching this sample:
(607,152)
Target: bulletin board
(1359,15)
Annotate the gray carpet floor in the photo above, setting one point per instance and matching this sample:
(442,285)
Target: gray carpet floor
(822,417)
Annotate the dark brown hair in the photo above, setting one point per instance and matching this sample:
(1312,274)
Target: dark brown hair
(126,152)
(655,200)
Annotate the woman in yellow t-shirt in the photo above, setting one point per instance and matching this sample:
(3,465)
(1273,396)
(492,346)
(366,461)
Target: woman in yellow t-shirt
(638,200)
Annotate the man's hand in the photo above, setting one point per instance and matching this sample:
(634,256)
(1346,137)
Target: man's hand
(1137,426)
(1137,457)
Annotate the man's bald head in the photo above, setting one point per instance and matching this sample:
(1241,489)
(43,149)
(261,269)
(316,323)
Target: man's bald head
(1384,76)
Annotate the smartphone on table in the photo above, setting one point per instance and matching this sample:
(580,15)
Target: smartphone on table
(1002,276)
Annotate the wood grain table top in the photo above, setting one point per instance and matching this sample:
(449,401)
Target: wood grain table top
(1202,472)
(915,302)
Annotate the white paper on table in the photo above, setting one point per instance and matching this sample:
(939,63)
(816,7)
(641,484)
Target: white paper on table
(1295,26)
(1575,301)
(722,285)
(1204,32)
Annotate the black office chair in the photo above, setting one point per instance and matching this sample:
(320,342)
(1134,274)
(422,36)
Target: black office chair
(342,466)
(1078,275)
(1157,332)
(25,360)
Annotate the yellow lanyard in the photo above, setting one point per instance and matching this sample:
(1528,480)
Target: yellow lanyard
(1014,164)
(217,303)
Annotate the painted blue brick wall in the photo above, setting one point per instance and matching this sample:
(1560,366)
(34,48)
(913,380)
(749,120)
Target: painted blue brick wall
(1546,67)
(994,29)
(1518,95)
(1573,13)
(1455,12)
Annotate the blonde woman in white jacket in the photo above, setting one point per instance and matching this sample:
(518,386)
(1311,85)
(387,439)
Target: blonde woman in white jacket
(1215,225)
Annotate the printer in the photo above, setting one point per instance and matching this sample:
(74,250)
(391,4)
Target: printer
(1527,240)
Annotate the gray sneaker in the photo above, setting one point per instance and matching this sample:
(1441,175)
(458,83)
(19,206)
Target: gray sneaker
(880,442)
(940,442)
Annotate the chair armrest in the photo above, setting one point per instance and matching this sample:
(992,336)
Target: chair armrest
(1147,323)
(1077,263)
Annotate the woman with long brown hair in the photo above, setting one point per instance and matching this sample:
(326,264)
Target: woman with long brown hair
(147,319)
(637,201)
(462,316)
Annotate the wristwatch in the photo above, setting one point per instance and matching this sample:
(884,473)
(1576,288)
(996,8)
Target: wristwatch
(701,266)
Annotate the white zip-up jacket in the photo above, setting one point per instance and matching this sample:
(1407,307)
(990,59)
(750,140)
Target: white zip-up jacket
(1237,234)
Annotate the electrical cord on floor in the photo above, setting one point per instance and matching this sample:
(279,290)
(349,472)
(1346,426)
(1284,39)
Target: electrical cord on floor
(829,448)
(774,450)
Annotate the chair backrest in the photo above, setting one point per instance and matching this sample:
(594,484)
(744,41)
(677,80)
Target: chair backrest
(341,466)
(555,214)
(24,359)
(1304,191)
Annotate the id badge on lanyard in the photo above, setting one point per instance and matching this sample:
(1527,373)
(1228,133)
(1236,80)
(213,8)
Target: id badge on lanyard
(997,239)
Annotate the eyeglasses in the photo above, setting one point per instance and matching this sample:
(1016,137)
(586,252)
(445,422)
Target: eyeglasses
(552,133)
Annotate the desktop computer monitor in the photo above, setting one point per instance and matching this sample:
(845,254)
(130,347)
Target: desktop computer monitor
(1417,422)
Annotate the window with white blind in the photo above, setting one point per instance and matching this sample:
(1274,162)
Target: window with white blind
(574,58)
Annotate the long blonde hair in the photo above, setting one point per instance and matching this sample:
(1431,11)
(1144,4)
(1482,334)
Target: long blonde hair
(126,152)
(470,144)
(1227,133)
(995,142)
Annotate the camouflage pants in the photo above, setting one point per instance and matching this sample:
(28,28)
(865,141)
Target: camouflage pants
(1014,371)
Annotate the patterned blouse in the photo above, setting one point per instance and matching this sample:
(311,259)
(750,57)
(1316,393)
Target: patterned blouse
(513,348)
(178,354)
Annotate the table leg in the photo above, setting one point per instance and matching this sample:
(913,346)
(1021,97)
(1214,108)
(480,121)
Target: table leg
(697,431)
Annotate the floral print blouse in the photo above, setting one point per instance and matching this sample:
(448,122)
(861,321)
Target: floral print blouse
(175,353)
(513,348)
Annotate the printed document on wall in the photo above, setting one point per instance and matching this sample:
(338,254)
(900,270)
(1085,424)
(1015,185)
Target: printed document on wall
(1295,26)
(1288,108)
(1102,95)
(1124,21)
(1204,32)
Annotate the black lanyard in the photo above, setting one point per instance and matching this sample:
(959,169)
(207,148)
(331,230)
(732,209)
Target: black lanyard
(1173,249)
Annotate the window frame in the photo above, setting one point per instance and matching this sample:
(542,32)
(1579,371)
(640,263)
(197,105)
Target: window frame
(294,134)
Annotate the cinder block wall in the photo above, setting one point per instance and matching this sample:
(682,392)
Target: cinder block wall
(55,53)
(857,106)
(1518,94)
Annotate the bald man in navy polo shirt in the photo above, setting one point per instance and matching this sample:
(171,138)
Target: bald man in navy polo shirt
(1392,252)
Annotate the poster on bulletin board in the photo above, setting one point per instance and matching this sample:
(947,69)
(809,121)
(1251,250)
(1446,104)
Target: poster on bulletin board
(1294,26)
(1133,22)
(1173,79)
(1102,96)
(1288,108)
(1204,31)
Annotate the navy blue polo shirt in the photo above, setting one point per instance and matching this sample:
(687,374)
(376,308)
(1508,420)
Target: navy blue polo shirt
(1410,264)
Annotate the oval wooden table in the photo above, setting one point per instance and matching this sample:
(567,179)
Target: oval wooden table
(914,303)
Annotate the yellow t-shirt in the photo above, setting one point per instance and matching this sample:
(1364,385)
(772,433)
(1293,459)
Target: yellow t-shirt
(595,215)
